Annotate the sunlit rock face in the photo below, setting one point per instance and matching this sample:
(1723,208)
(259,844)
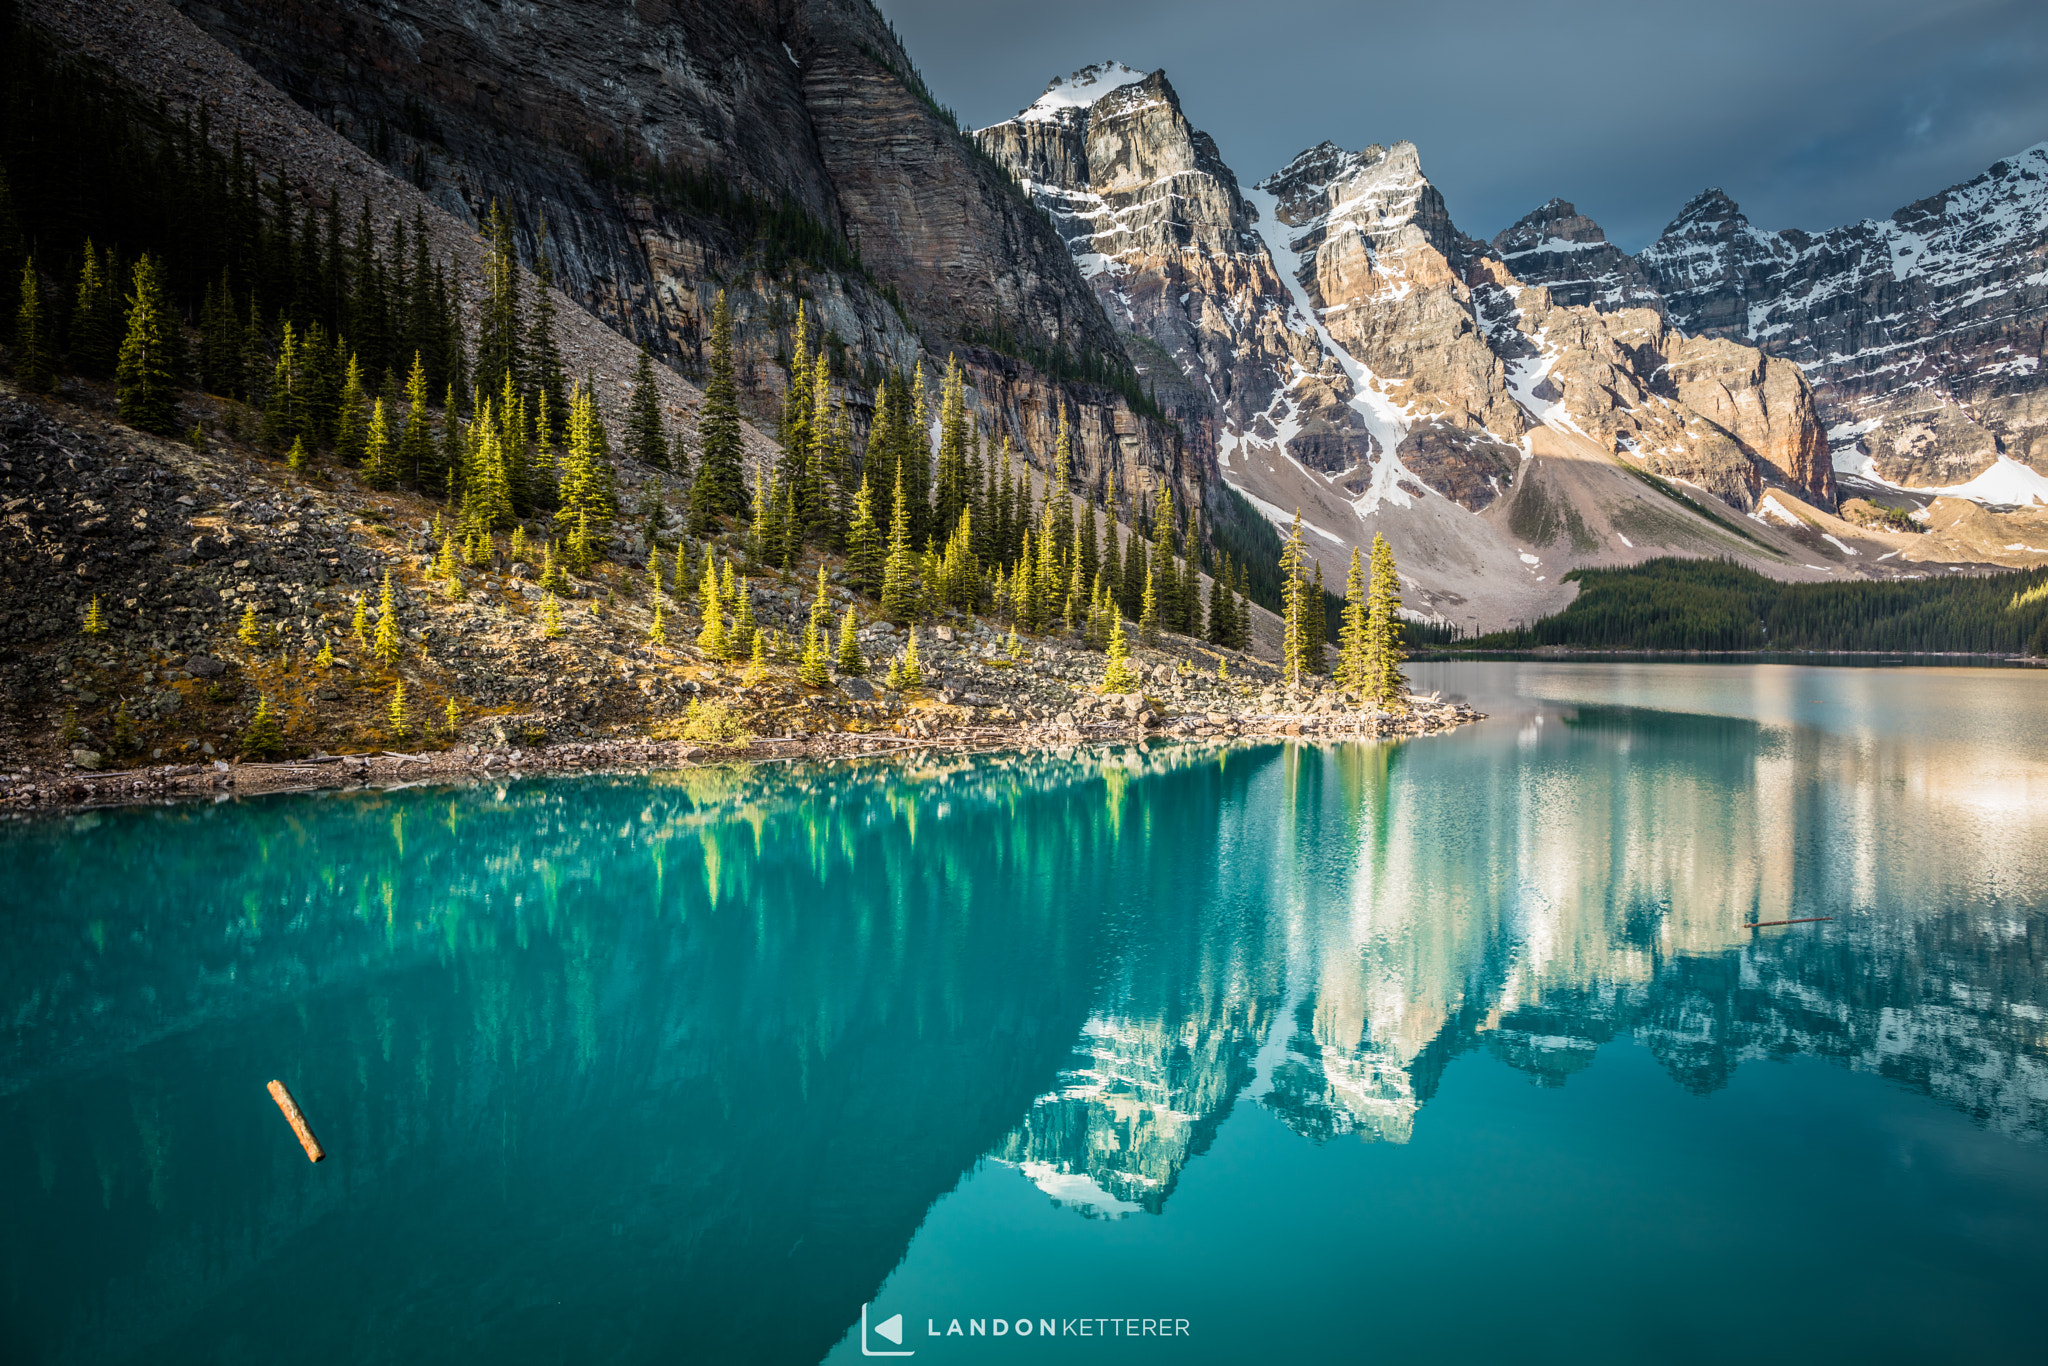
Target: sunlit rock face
(1922,331)
(1156,223)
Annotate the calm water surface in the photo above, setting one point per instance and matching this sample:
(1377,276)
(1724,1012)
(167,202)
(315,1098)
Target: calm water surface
(1451,1050)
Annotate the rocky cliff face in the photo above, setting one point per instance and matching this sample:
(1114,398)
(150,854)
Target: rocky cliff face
(1158,226)
(1351,353)
(654,138)
(1561,248)
(1922,333)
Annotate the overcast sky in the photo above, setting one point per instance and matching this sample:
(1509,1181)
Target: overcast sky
(1809,113)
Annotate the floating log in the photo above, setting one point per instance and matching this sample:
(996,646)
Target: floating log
(1803,920)
(297,1120)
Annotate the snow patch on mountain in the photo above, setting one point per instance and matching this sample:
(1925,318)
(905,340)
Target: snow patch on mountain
(1386,420)
(1081,90)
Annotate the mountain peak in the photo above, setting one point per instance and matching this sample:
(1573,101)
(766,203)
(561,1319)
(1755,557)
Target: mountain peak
(1555,224)
(1710,211)
(1080,91)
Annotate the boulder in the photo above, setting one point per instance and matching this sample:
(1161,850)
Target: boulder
(85,758)
(200,666)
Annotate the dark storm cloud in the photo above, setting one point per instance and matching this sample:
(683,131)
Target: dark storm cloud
(1808,114)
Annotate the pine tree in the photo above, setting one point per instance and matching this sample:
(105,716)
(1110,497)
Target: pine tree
(550,616)
(1118,676)
(1113,567)
(1167,588)
(816,668)
(720,486)
(360,628)
(1059,489)
(452,725)
(741,635)
(497,341)
(850,661)
(912,675)
(281,397)
(586,491)
(1353,654)
(543,356)
(96,317)
(656,630)
(447,570)
(95,622)
(380,457)
(1136,563)
(32,334)
(320,386)
(325,659)
(954,435)
(757,662)
(1294,617)
(798,404)
(398,716)
(453,437)
(263,737)
(865,554)
(711,640)
(646,437)
(250,632)
(387,644)
(350,432)
(899,574)
(418,460)
(146,378)
(1384,683)
(1222,626)
(295,459)
(831,451)
(1318,623)
(1148,612)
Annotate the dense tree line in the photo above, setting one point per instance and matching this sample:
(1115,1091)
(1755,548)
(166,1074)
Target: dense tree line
(1675,604)
(963,525)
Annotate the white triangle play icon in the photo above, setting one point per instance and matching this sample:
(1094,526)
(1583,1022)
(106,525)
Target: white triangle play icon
(892,1328)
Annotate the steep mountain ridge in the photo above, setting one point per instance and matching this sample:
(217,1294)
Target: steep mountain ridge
(1356,356)
(657,138)
(1922,333)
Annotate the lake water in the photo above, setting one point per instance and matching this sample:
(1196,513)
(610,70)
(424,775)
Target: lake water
(1454,1049)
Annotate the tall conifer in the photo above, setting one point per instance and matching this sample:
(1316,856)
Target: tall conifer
(899,574)
(31,334)
(146,377)
(1352,645)
(1385,650)
(646,439)
(720,486)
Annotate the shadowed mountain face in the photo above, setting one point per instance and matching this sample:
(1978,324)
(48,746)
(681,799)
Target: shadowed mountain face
(784,152)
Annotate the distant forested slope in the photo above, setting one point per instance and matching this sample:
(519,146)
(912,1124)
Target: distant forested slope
(1674,604)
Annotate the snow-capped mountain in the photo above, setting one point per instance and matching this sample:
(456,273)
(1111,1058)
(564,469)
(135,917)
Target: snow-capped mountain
(1345,350)
(1922,333)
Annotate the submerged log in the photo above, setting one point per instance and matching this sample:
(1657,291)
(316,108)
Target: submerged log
(293,1117)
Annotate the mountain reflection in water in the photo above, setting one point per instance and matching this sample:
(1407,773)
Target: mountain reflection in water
(633,1067)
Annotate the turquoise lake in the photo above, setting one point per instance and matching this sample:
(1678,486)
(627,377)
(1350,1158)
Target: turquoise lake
(1451,1049)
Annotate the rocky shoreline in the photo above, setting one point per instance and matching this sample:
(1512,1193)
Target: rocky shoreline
(1127,719)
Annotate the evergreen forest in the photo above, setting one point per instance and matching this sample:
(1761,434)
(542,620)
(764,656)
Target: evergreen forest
(1711,605)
